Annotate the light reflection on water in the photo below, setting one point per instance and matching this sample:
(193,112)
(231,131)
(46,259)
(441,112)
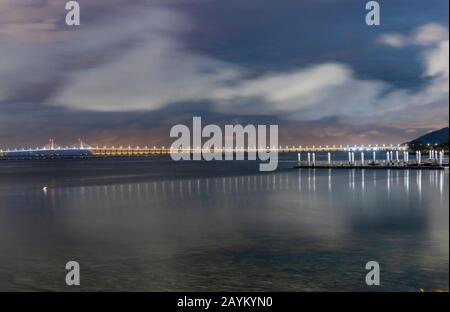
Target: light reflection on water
(288,230)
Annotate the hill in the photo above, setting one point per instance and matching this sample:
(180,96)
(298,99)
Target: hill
(438,137)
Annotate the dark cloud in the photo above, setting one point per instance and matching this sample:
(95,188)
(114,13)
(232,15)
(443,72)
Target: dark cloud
(135,68)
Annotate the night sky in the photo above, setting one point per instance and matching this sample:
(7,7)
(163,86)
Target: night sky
(135,68)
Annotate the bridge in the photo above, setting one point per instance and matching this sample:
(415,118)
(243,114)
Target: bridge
(84,149)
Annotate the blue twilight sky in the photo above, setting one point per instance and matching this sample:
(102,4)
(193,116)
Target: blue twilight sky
(135,68)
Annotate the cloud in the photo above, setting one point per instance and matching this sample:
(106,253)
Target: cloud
(151,71)
(435,39)
(430,102)
(38,52)
(430,34)
(135,60)
(436,60)
(426,35)
(160,71)
(25,72)
(321,91)
(393,40)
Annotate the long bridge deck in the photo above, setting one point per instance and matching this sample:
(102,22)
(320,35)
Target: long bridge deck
(86,151)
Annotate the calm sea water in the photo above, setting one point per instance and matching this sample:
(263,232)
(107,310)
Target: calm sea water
(157,225)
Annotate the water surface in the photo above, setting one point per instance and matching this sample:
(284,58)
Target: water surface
(157,225)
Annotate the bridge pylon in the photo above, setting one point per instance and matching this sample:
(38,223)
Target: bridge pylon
(51,145)
(82,145)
